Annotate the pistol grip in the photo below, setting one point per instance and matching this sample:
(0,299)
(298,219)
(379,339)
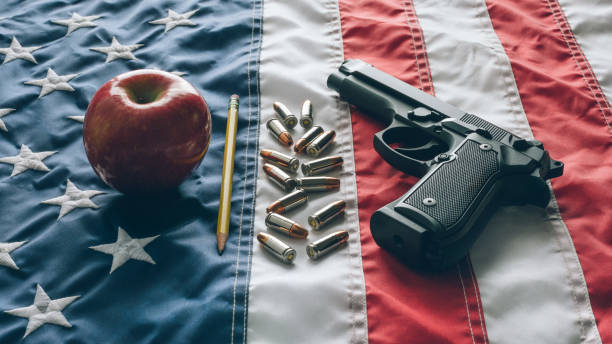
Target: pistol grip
(438,220)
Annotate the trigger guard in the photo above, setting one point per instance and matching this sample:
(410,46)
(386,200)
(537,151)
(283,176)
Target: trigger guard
(426,152)
(400,161)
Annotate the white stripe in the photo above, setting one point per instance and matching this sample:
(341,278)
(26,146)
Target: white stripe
(530,281)
(309,302)
(591,22)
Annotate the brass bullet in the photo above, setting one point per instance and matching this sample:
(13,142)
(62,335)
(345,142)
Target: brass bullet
(279,177)
(327,244)
(318,183)
(288,202)
(322,165)
(320,143)
(307,138)
(279,159)
(285,115)
(278,248)
(306,115)
(286,226)
(326,214)
(279,132)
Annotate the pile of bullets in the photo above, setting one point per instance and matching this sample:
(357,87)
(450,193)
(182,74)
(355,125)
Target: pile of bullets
(278,167)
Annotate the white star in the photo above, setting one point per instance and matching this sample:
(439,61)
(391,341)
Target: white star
(118,51)
(53,82)
(73,198)
(77,118)
(175,19)
(76,22)
(4,112)
(126,248)
(43,311)
(5,249)
(16,51)
(27,160)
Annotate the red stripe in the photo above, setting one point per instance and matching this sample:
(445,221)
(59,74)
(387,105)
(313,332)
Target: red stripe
(403,307)
(568,112)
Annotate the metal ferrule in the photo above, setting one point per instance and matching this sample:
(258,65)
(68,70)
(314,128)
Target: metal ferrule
(318,183)
(279,132)
(285,115)
(320,143)
(279,177)
(326,214)
(288,202)
(307,138)
(322,165)
(306,115)
(327,244)
(278,248)
(281,160)
(286,226)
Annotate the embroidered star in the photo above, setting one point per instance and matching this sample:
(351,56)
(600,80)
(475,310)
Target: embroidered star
(16,51)
(27,160)
(4,112)
(73,198)
(53,82)
(175,19)
(43,311)
(77,118)
(5,249)
(118,51)
(76,22)
(126,248)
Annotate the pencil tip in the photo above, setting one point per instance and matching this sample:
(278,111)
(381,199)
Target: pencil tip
(221,239)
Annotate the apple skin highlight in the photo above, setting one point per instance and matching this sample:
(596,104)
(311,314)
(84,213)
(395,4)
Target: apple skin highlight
(145,131)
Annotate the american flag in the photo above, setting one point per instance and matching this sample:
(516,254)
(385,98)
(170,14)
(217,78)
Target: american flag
(82,263)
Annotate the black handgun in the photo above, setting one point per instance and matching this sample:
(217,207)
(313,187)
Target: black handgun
(468,167)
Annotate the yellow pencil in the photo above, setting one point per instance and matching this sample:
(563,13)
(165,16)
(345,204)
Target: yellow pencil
(225,199)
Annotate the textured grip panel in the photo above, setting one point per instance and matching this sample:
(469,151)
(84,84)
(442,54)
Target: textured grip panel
(455,184)
(497,132)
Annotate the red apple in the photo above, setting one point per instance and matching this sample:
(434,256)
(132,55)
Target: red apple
(145,131)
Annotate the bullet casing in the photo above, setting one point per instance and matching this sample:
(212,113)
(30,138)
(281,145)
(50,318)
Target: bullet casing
(288,202)
(318,183)
(279,132)
(327,244)
(279,177)
(285,115)
(286,226)
(320,143)
(307,138)
(306,115)
(322,165)
(279,159)
(326,214)
(278,248)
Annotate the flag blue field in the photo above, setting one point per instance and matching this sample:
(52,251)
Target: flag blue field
(80,262)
